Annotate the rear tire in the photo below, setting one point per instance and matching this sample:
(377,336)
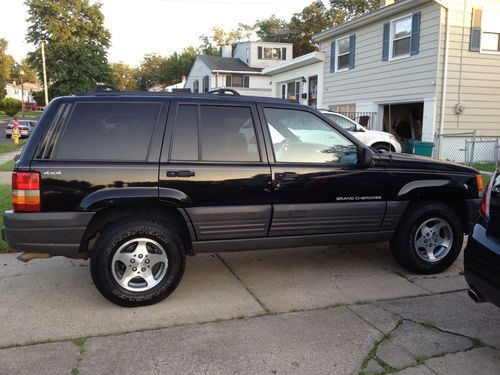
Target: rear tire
(428,239)
(137,262)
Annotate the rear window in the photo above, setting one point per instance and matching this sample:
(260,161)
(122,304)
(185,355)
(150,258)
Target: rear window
(109,131)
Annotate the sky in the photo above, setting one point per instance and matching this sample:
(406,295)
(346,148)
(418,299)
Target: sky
(139,27)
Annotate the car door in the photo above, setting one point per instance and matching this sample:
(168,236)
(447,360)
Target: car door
(318,185)
(214,158)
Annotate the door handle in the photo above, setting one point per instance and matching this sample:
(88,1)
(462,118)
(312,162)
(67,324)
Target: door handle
(286,176)
(180,173)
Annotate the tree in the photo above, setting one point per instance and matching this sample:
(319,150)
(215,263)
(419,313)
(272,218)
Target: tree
(76,44)
(211,44)
(345,10)
(6,63)
(313,19)
(273,29)
(30,74)
(124,76)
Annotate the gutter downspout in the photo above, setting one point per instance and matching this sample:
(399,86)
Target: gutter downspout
(445,82)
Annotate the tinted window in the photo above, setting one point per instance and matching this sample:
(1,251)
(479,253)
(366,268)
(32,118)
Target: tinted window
(185,139)
(228,134)
(300,136)
(109,131)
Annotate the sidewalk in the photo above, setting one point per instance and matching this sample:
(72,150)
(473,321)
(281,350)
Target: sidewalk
(330,310)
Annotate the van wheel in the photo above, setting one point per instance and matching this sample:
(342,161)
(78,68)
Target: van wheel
(137,262)
(383,147)
(428,239)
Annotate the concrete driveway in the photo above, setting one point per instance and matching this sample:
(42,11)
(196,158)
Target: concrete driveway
(330,310)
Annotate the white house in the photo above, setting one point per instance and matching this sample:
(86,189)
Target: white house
(170,88)
(431,65)
(23,93)
(300,79)
(240,70)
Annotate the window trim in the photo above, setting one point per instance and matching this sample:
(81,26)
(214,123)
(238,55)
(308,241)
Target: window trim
(230,76)
(391,37)
(271,59)
(337,55)
(270,147)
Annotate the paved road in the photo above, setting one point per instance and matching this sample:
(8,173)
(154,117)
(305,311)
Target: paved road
(336,310)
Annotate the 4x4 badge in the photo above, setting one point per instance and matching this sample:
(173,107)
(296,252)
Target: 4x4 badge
(52,173)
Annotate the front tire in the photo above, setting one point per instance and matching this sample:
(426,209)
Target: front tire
(383,147)
(428,239)
(137,262)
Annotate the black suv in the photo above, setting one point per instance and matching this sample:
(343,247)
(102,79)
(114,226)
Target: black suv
(137,181)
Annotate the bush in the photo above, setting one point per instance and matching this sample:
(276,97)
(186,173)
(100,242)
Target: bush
(10,106)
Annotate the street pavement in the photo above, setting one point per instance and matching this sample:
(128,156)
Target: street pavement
(324,310)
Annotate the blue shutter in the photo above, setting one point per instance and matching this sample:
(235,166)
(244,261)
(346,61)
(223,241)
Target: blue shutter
(352,50)
(415,33)
(332,57)
(475,30)
(385,43)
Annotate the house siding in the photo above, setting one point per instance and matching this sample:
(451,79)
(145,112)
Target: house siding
(374,80)
(473,77)
(198,71)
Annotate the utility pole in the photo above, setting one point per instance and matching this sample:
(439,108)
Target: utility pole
(45,76)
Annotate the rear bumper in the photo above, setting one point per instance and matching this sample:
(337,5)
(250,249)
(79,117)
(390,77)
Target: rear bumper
(55,233)
(482,264)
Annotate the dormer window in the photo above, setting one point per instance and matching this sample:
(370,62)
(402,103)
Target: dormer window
(271,53)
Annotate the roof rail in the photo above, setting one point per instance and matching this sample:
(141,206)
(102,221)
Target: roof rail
(102,87)
(224,92)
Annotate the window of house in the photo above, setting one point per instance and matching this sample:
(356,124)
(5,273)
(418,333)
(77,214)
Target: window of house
(271,53)
(196,86)
(401,37)
(237,80)
(109,131)
(205,84)
(490,25)
(343,49)
(283,91)
(343,108)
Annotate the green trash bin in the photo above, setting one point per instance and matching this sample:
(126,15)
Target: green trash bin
(412,146)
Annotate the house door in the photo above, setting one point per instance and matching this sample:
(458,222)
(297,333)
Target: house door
(312,95)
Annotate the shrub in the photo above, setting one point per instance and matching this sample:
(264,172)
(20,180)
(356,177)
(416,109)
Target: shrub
(10,106)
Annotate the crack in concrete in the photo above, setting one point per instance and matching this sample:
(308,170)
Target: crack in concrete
(80,344)
(262,305)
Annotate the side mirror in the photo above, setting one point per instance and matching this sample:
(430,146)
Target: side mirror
(366,158)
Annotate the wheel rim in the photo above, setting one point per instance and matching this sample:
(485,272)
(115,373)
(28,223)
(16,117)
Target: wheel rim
(433,240)
(139,264)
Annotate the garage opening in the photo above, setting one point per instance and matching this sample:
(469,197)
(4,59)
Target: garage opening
(404,121)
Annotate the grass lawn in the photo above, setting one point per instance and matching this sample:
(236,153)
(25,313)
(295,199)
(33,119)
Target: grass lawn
(7,167)
(485,167)
(5,204)
(19,115)
(11,146)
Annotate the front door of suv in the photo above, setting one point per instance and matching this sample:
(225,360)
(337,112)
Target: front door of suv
(212,158)
(318,186)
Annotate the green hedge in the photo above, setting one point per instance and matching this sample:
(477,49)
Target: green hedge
(10,106)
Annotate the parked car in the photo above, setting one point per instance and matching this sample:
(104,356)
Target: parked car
(137,181)
(373,138)
(482,255)
(31,106)
(25,127)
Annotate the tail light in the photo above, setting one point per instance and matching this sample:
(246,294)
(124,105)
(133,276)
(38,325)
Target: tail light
(479,180)
(26,191)
(485,202)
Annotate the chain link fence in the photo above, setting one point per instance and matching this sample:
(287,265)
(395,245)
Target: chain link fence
(468,148)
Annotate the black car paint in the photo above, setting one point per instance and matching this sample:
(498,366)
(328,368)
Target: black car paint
(482,254)
(224,202)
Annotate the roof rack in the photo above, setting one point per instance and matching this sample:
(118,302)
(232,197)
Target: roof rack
(102,87)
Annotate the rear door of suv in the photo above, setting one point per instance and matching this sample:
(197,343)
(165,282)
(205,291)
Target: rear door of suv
(214,160)
(100,151)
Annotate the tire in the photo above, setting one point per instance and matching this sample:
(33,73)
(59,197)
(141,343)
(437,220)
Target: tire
(7,136)
(143,251)
(382,147)
(428,229)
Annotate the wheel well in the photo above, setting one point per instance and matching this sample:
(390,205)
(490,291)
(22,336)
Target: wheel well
(455,202)
(384,144)
(105,217)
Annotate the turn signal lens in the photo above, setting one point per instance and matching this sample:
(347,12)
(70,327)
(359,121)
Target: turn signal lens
(479,180)
(26,191)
